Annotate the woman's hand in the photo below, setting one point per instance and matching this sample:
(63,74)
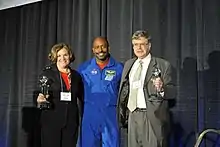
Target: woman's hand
(42,98)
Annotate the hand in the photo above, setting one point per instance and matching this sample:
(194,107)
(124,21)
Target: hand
(158,83)
(42,98)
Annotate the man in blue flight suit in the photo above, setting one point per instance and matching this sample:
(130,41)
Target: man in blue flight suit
(101,76)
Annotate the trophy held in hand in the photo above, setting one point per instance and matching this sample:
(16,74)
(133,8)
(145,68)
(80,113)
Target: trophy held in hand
(44,86)
(157,83)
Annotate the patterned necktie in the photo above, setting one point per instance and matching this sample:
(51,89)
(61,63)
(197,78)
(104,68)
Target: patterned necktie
(132,101)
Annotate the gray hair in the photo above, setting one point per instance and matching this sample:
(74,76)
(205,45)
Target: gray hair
(141,33)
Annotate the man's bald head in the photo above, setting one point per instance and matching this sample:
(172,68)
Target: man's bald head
(100,39)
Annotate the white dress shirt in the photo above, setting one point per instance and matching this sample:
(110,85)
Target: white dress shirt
(141,103)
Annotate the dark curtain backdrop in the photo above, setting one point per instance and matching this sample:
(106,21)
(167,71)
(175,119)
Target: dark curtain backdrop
(185,32)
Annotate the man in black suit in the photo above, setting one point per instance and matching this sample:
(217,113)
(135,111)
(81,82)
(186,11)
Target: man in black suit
(146,86)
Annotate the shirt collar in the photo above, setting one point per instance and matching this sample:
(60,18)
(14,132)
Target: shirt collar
(145,59)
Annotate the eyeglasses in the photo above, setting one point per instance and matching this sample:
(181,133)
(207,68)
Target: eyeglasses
(140,44)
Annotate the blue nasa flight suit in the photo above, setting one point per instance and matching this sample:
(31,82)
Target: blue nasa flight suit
(99,123)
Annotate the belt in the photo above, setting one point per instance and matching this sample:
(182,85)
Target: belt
(140,109)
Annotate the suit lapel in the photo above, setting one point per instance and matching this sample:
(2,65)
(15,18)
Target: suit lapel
(150,70)
(126,71)
(128,67)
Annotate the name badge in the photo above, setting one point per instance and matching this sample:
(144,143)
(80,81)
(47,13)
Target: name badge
(108,77)
(65,96)
(136,84)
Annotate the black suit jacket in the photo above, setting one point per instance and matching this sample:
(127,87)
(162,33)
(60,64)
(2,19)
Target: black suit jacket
(62,113)
(157,111)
